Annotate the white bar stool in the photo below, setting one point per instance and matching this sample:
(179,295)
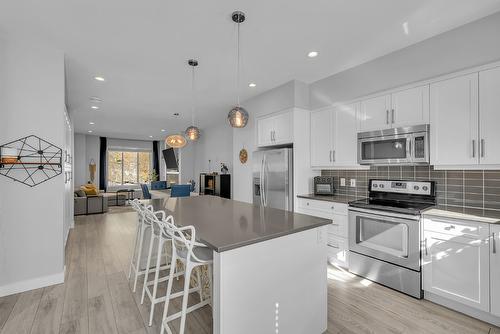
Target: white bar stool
(142,226)
(162,239)
(193,255)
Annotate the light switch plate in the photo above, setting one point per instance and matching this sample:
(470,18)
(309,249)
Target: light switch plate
(353,182)
(342,181)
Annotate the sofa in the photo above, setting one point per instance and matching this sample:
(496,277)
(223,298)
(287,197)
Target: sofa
(89,204)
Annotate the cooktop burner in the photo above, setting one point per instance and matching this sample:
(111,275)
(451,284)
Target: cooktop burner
(408,197)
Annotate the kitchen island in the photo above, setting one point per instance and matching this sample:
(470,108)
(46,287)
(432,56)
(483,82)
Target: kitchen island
(270,266)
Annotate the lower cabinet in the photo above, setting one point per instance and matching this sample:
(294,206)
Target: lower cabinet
(495,269)
(456,261)
(338,251)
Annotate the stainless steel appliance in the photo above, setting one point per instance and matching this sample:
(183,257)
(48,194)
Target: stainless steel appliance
(384,233)
(397,146)
(273,178)
(323,185)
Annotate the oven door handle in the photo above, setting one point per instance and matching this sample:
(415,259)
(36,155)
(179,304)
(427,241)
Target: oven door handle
(380,213)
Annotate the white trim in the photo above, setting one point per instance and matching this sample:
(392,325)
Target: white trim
(31,284)
(466,167)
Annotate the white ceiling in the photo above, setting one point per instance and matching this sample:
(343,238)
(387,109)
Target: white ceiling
(141,48)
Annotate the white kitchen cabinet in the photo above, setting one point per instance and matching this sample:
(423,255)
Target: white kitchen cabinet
(275,129)
(456,262)
(334,137)
(495,269)
(454,121)
(338,251)
(375,113)
(410,107)
(321,138)
(489,116)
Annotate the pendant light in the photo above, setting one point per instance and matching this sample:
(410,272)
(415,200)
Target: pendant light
(238,116)
(192,133)
(176,141)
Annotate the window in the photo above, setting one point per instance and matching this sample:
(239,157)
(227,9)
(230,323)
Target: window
(128,167)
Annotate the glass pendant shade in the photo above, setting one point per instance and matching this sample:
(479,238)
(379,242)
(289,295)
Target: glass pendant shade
(192,133)
(176,141)
(238,117)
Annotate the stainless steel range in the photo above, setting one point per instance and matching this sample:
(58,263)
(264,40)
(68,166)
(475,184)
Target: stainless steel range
(384,233)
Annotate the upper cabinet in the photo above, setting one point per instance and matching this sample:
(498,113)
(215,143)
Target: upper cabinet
(489,116)
(454,117)
(403,108)
(275,129)
(334,137)
(464,118)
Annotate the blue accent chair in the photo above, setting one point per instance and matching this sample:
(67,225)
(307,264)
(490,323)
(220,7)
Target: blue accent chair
(145,191)
(158,185)
(180,190)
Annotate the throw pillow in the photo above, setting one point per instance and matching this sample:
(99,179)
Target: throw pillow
(90,190)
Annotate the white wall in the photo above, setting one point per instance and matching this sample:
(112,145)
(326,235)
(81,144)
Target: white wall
(80,173)
(280,98)
(31,219)
(473,44)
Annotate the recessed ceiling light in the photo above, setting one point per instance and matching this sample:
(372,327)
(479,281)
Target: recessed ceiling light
(98,78)
(251,84)
(90,131)
(406,29)
(163,130)
(312,54)
(94,107)
(150,136)
(91,123)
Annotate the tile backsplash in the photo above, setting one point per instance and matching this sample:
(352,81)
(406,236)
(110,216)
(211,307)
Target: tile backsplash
(479,189)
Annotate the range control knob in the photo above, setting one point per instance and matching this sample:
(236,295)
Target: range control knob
(416,187)
(375,185)
(381,186)
(425,188)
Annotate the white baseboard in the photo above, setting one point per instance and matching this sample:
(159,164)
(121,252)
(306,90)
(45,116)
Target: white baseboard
(31,284)
(470,311)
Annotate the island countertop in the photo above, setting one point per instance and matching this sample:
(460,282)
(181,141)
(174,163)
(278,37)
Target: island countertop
(224,224)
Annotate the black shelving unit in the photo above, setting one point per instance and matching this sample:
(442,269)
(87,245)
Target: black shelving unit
(37,161)
(215,184)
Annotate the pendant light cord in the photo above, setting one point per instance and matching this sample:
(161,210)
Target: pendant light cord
(192,96)
(238,65)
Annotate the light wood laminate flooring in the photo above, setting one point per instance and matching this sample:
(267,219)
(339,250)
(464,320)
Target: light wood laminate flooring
(97,297)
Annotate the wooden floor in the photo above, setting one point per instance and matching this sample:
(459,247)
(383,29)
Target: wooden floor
(97,297)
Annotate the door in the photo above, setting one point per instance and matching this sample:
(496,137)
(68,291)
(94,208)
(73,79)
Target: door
(495,269)
(322,138)
(277,180)
(345,139)
(410,107)
(264,131)
(457,268)
(374,114)
(489,116)
(282,128)
(389,238)
(454,121)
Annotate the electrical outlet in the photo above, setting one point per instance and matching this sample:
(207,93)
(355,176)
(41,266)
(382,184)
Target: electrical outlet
(342,181)
(353,182)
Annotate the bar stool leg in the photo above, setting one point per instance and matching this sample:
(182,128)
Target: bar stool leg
(139,254)
(169,290)
(148,265)
(198,280)
(185,296)
(132,258)
(210,279)
(155,283)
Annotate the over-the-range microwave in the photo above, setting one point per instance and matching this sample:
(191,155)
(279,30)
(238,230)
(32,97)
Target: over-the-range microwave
(397,146)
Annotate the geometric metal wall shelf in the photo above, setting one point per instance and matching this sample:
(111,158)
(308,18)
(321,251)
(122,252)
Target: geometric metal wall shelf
(30,160)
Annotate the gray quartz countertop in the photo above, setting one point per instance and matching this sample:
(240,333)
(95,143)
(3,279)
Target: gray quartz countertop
(480,215)
(330,198)
(224,224)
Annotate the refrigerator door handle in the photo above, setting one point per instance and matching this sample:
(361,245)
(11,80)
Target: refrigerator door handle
(261,179)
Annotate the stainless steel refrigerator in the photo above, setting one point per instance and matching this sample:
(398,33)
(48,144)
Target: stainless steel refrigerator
(273,178)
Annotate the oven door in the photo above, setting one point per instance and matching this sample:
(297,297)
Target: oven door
(389,237)
(386,150)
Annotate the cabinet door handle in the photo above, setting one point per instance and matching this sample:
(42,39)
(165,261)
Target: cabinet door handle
(333,155)
(330,155)
(387,116)
(425,247)
(274,135)
(482,148)
(473,148)
(392,113)
(494,250)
